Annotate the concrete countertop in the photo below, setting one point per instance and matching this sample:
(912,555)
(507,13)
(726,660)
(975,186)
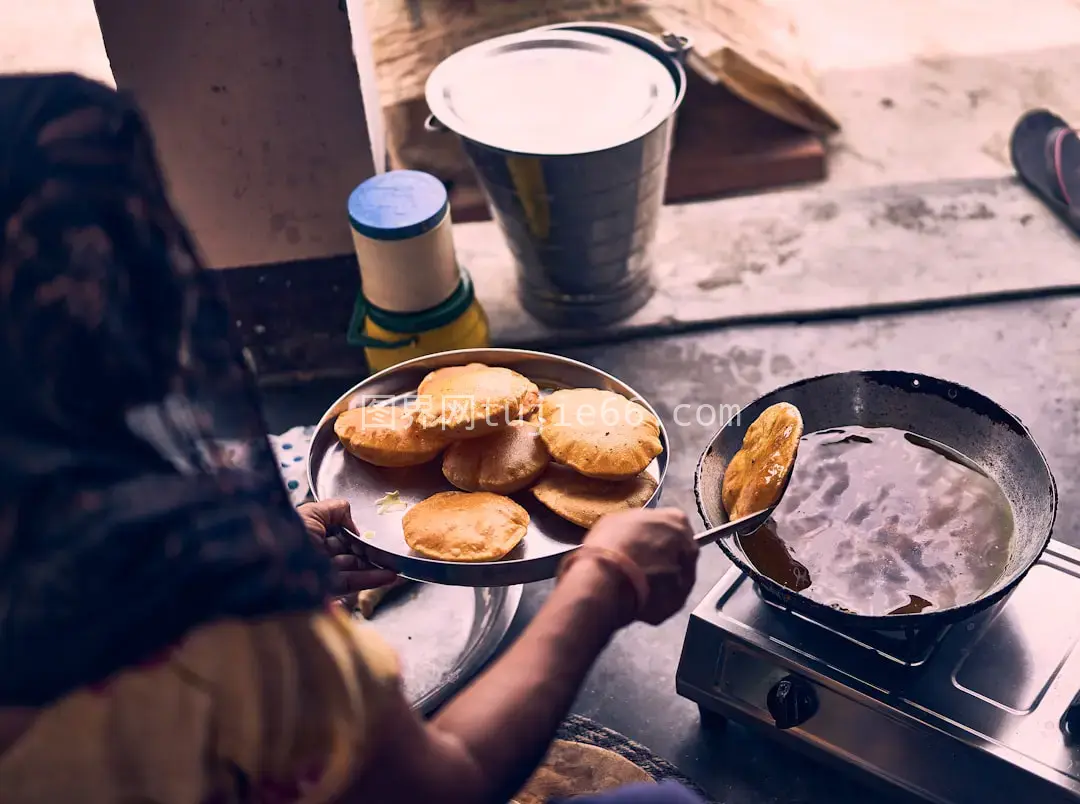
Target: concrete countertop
(1025,355)
(811,254)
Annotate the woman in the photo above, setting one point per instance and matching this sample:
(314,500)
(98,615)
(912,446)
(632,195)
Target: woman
(165,630)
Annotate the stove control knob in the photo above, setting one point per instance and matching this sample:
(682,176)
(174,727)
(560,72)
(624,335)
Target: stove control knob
(1070,722)
(791,702)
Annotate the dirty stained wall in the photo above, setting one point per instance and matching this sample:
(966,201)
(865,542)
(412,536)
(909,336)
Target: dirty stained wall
(258,114)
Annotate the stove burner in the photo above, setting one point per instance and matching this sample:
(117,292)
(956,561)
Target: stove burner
(910,646)
(986,709)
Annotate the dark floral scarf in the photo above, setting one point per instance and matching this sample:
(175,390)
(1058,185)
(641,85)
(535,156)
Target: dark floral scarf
(123,523)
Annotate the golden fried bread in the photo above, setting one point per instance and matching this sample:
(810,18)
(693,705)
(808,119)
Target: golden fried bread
(599,433)
(578,769)
(386,435)
(439,376)
(473,402)
(756,475)
(506,461)
(583,500)
(459,526)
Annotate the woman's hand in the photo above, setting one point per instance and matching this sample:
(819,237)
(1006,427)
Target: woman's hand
(324,521)
(660,542)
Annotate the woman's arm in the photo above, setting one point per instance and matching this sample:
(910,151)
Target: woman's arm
(486,742)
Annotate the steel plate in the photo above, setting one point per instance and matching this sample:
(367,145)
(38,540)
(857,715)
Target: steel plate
(443,635)
(334,473)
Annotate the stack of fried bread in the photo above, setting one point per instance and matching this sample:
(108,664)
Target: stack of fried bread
(581,452)
(602,444)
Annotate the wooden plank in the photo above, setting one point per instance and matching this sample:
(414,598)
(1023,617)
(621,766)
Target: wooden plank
(724,146)
(293,317)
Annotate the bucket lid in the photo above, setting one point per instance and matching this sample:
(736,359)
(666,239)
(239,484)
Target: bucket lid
(552,92)
(397,205)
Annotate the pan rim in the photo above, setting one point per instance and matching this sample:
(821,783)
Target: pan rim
(888,622)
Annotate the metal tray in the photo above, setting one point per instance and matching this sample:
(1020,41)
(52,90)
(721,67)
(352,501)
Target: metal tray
(332,472)
(440,654)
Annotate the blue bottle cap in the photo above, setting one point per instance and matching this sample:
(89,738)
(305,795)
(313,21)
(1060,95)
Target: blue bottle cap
(398,205)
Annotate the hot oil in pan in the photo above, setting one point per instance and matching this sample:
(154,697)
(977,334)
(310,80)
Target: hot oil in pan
(880,521)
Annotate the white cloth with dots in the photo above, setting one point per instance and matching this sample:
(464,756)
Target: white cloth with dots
(291,449)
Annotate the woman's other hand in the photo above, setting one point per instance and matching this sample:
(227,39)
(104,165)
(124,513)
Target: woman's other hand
(660,542)
(324,522)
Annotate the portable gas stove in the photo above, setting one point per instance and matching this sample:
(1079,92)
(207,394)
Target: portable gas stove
(983,710)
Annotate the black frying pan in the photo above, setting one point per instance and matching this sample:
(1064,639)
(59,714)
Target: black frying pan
(951,414)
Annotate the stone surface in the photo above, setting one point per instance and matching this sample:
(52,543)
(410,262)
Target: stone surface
(1024,355)
(810,253)
(929,89)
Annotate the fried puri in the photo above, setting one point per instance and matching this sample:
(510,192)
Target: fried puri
(474,401)
(506,461)
(438,376)
(577,769)
(756,475)
(583,500)
(599,434)
(460,526)
(386,435)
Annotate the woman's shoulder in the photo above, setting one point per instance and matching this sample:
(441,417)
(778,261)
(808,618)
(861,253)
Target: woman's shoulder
(237,702)
(324,641)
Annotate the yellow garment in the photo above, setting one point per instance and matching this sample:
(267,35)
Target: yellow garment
(281,709)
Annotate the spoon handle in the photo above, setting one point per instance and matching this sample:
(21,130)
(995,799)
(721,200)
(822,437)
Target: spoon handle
(745,524)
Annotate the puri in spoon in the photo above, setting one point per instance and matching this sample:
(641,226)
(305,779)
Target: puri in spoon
(758,475)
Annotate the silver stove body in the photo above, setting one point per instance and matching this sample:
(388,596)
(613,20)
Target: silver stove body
(972,713)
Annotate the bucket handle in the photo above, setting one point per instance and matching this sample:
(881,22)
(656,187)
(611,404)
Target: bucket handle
(433,126)
(677,45)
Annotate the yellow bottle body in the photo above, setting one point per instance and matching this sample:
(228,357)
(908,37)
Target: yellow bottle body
(468,331)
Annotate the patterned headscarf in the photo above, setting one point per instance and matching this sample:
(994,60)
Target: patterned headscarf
(123,521)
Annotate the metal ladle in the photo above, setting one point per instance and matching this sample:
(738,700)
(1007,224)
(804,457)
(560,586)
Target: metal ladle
(745,525)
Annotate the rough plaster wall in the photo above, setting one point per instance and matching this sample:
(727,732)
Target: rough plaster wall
(259,117)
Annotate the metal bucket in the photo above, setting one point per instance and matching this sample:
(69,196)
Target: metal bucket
(579,223)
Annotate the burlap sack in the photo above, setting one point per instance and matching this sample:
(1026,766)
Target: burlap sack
(747,45)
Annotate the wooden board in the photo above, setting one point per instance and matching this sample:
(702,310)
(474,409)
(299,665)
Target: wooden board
(723,146)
